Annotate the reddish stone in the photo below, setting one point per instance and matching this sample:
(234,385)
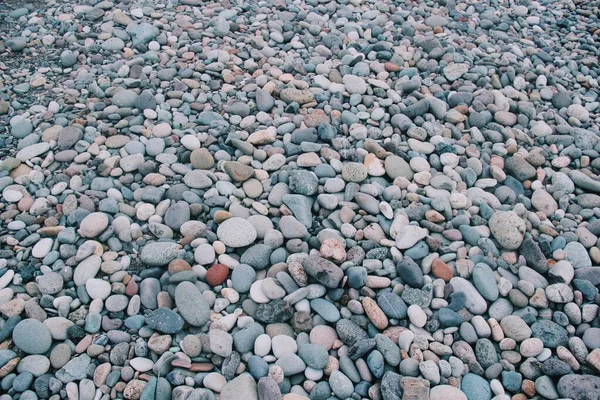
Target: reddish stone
(217,274)
(201,367)
(528,387)
(178,265)
(441,270)
(391,67)
(132,288)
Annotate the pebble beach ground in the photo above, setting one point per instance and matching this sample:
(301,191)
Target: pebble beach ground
(309,199)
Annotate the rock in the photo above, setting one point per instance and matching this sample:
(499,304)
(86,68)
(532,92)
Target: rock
(591,338)
(519,168)
(508,229)
(32,337)
(475,387)
(453,71)
(238,171)
(291,364)
(191,304)
(552,334)
(275,311)
(515,328)
(544,202)
(164,320)
(243,339)
(579,387)
(445,392)
(301,97)
(324,271)
(410,272)
(409,236)
(484,281)
(242,386)
(392,305)
(221,342)
(341,386)
(475,303)
(158,254)
(354,84)
(217,274)
(236,232)
(124,98)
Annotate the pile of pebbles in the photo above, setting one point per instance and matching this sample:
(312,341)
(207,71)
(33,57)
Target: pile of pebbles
(299,200)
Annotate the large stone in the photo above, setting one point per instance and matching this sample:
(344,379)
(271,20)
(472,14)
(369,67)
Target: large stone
(236,232)
(324,271)
(165,320)
(475,387)
(515,328)
(446,392)
(158,254)
(579,387)
(508,229)
(518,167)
(32,337)
(93,225)
(475,303)
(191,304)
(242,387)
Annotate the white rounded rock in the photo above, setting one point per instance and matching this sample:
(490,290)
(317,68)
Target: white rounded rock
(256,293)
(417,316)
(446,392)
(204,254)
(141,364)
(97,288)
(190,142)
(283,344)
(42,248)
(93,225)
(262,345)
(214,381)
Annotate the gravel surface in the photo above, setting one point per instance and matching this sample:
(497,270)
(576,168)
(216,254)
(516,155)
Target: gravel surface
(264,200)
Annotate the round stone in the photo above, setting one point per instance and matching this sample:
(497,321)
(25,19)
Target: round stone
(217,274)
(97,288)
(446,392)
(236,232)
(508,229)
(93,225)
(32,337)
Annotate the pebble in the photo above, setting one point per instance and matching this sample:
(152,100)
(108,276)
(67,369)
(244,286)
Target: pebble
(191,304)
(236,232)
(392,201)
(31,336)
